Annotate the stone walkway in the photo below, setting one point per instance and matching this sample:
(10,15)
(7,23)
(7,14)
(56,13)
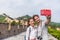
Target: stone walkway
(51,37)
(21,37)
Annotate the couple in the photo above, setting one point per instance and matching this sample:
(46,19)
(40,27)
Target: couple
(39,32)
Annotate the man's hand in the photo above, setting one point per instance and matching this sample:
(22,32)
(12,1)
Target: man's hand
(48,19)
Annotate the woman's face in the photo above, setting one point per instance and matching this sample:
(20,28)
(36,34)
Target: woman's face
(31,22)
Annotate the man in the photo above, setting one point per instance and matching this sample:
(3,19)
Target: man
(42,27)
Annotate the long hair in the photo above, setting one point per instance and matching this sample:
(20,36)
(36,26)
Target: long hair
(29,21)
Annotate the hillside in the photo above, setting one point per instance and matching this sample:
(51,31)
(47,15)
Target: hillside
(54,25)
(23,17)
(2,18)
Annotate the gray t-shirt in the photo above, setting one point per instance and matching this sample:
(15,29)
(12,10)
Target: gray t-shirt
(42,31)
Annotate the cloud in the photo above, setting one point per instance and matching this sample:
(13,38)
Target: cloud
(15,8)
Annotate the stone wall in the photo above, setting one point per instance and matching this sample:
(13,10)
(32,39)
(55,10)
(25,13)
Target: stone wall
(4,32)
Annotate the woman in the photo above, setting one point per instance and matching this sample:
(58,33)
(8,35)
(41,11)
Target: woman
(31,33)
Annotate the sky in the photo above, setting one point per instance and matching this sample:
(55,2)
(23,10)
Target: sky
(16,8)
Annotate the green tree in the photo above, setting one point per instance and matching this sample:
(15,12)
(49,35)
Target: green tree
(14,23)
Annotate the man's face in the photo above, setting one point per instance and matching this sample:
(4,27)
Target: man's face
(37,19)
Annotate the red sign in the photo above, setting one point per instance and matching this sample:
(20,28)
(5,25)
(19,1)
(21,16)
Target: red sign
(45,12)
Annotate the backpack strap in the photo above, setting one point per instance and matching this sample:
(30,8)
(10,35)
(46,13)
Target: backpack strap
(29,32)
(28,35)
(42,28)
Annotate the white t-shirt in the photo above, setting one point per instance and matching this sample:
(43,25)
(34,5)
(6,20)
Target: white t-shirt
(33,33)
(43,29)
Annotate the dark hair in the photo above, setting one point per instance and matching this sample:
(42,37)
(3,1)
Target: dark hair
(29,20)
(35,16)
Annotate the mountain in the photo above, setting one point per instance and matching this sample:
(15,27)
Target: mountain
(53,24)
(24,17)
(2,18)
